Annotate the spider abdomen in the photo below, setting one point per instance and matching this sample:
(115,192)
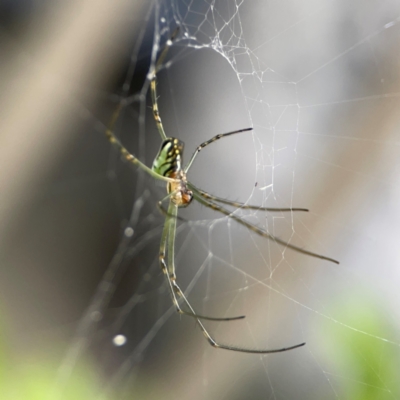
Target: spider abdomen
(168,161)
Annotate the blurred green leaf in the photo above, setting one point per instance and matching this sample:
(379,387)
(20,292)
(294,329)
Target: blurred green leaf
(367,362)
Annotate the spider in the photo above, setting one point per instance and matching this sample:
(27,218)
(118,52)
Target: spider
(168,167)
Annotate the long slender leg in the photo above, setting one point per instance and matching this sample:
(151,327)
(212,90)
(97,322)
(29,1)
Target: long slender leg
(168,236)
(156,113)
(217,345)
(125,153)
(114,140)
(173,211)
(212,140)
(246,206)
(153,84)
(259,231)
(167,45)
(171,228)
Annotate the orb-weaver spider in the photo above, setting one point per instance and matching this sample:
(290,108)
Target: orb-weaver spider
(167,166)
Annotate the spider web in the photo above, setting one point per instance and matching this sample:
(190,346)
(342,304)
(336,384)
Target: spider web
(318,81)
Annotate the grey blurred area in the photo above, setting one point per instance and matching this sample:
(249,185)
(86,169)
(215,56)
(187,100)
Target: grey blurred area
(318,81)
(54,57)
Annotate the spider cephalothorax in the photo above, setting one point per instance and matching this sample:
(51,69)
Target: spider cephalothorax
(181,195)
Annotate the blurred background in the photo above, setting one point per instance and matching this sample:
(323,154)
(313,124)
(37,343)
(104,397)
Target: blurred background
(85,311)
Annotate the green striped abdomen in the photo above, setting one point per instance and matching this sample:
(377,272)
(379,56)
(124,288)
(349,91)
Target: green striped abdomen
(169,158)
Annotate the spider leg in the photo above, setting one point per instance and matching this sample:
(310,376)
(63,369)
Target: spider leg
(168,236)
(164,52)
(153,84)
(208,203)
(217,345)
(114,140)
(125,153)
(212,140)
(245,206)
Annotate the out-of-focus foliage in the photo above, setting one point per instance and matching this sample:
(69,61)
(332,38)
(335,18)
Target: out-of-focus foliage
(33,377)
(366,364)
